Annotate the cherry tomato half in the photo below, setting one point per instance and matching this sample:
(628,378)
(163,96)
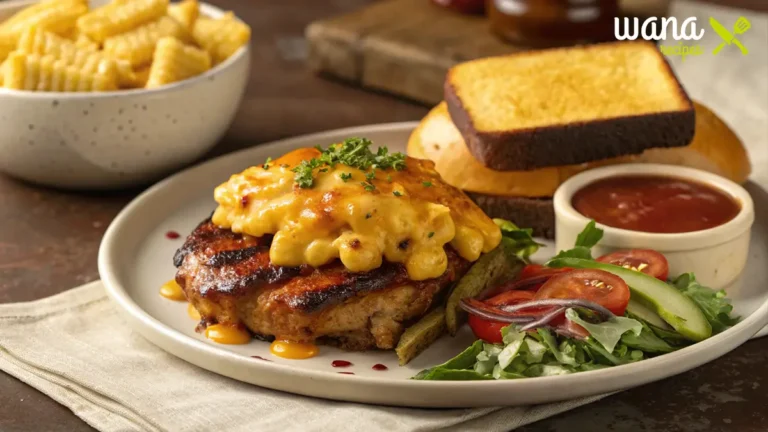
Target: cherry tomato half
(490,331)
(533,270)
(647,261)
(601,287)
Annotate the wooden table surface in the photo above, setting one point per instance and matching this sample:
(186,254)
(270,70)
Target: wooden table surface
(49,240)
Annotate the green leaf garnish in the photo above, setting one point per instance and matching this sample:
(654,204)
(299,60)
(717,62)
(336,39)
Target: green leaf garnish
(427,184)
(345,176)
(353,152)
(715,305)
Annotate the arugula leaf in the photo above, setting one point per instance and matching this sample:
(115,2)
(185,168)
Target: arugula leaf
(453,375)
(671,337)
(646,341)
(715,305)
(589,236)
(499,373)
(584,367)
(586,239)
(464,360)
(601,355)
(540,370)
(608,333)
(519,240)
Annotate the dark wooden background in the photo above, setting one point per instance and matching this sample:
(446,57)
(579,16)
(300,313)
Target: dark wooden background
(49,240)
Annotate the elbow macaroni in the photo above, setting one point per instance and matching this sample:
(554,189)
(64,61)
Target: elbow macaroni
(339,219)
(61,42)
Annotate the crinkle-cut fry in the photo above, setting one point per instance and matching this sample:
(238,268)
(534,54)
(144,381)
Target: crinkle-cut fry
(119,17)
(7,45)
(174,61)
(83,42)
(43,43)
(138,45)
(221,37)
(142,76)
(59,18)
(185,12)
(36,73)
(35,9)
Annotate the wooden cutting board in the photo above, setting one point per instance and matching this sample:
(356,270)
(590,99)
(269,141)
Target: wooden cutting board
(405,47)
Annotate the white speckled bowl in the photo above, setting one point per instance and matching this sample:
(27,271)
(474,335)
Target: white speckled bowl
(121,138)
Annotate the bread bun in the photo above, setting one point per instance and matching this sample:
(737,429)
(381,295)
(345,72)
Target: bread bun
(715,148)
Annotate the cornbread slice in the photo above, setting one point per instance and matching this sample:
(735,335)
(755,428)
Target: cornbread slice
(568,105)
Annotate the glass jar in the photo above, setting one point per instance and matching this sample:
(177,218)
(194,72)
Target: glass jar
(542,23)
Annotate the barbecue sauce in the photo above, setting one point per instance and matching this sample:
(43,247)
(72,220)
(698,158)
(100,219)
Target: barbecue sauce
(655,204)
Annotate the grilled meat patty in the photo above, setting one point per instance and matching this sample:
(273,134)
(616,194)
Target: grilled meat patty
(229,280)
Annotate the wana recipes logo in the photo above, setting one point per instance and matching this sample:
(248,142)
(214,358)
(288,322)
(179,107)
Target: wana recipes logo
(661,28)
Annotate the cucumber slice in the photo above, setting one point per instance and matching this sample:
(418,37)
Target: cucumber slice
(670,304)
(646,314)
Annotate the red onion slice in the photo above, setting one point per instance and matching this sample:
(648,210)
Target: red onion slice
(482,310)
(604,313)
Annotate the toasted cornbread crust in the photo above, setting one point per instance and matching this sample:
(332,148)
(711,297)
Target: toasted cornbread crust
(535,213)
(578,141)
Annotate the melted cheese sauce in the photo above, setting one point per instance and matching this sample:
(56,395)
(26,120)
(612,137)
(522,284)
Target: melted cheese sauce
(228,335)
(293,350)
(408,218)
(172,291)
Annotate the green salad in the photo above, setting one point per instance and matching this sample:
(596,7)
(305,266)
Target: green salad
(578,313)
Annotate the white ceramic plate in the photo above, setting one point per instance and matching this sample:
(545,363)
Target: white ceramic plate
(136,258)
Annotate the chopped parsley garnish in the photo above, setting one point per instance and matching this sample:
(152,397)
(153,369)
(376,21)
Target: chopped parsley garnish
(266,163)
(368,186)
(431,234)
(353,152)
(367,215)
(389,178)
(345,176)
(397,193)
(427,184)
(323,170)
(370,175)
(304,176)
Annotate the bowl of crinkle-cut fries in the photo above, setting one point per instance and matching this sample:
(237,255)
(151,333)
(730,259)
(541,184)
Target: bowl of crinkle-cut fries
(115,94)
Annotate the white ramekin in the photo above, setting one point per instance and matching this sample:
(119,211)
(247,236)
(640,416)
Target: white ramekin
(717,255)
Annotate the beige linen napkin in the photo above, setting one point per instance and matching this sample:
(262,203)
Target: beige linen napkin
(76,348)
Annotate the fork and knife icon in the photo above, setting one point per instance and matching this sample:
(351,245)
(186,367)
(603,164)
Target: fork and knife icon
(739,27)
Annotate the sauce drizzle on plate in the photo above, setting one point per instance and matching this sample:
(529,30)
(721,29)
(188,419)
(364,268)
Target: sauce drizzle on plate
(227,335)
(172,291)
(655,204)
(293,350)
